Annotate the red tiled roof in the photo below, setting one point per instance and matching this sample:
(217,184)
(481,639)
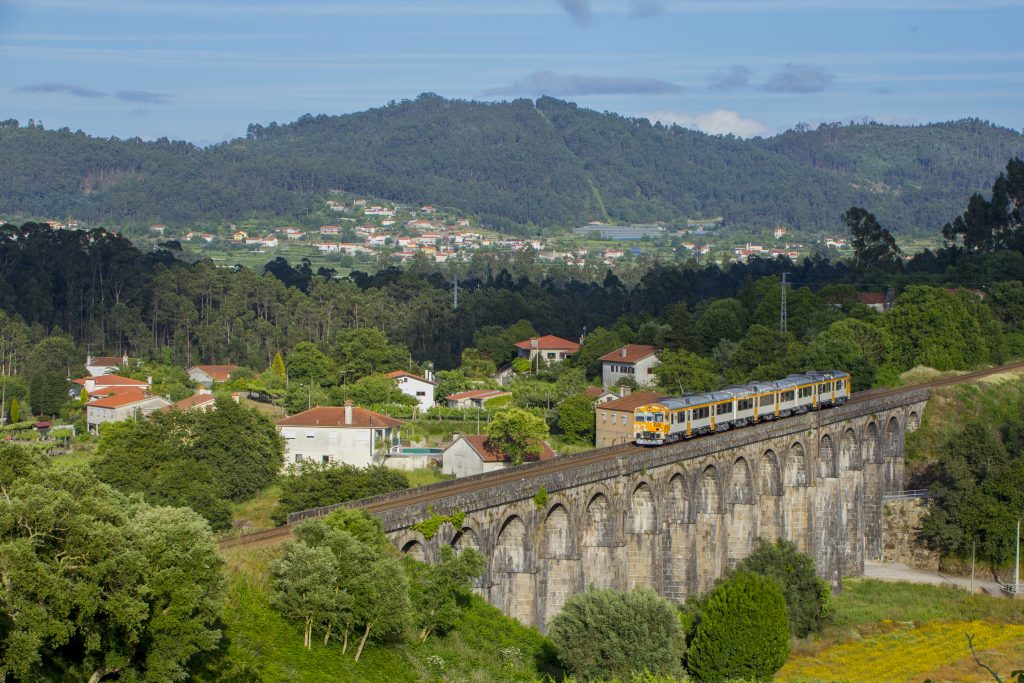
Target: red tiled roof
(594,392)
(633,401)
(869,298)
(481,444)
(194,401)
(112,381)
(125,398)
(549,343)
(394,374)
(334,416)
(219,373)
(633,353)
(478,394)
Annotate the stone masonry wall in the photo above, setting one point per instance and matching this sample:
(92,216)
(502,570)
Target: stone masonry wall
(674,518)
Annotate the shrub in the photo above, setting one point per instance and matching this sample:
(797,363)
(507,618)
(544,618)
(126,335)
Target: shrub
(742,631)
(611,633)
(808,597)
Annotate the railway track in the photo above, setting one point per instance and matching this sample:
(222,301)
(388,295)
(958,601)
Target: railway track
(434,492)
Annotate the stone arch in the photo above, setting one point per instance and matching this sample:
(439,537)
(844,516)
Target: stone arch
(676,505)
(741,483)
(598,547)
(466,537)
(893,440)
(415,550)
(707,531)
(827,458)
(770,475)
(513,587)
(557,536)
(913,421)
(641,525)
(708,499)
(872,443)
(849,451)
(677,541)
(796,517)
(559,566)
(741,524)
(796,466)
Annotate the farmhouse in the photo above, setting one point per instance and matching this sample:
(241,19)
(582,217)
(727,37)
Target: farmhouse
(332,435)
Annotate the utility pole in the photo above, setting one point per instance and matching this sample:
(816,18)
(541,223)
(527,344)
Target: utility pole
(782,310)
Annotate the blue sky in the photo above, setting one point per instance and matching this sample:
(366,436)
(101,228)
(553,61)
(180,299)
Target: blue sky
(203,70)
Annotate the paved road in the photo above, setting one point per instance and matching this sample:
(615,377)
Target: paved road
(897,571)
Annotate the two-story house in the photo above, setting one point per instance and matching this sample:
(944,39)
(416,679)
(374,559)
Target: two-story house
(121,406)
(102,385)
(104,365)
(549,348)
(635,361)
(420,388)
(332,435)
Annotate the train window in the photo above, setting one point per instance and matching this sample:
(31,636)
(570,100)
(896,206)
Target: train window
(659,417)
(768,400)
(701,413)
(723,408)
(745,404)
(787,395)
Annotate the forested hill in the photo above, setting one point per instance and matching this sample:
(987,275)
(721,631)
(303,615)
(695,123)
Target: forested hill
(514,164)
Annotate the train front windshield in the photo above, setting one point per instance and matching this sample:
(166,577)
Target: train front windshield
(650,417)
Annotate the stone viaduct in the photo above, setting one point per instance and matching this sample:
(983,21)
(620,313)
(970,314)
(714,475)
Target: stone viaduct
(673,518)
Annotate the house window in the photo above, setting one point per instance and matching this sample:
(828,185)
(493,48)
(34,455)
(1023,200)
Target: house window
(613,418)
(421,393)
(552,354)
(310,434)
(604,417)
(298,458)
(325,459)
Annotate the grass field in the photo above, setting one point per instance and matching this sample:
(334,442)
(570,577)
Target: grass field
(906,632)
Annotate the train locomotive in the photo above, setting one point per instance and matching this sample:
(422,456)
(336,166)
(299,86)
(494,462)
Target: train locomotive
(681,417)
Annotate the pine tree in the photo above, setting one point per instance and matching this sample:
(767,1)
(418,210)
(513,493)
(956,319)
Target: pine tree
(15,410)
(277,366)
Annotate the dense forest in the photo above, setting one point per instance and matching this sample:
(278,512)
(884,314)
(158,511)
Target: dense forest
(517,165)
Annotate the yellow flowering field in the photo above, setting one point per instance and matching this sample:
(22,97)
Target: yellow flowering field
(901,654)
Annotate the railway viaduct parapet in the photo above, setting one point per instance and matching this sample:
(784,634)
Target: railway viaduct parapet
(674,518)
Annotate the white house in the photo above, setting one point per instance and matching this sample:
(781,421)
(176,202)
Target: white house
(636,361)
(332,435)
(208,374)
(473,454)
(474,398)
(420,388)
(121,406)
(104,365)
(549,347)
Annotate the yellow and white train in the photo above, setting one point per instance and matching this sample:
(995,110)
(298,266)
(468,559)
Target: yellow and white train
(680,417)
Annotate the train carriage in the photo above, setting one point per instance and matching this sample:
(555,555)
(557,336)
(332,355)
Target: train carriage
(681,417)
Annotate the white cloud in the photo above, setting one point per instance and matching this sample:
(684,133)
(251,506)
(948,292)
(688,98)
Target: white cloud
(714,122)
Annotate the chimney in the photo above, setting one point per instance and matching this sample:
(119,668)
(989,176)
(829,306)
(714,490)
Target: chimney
(348,412)
(622,352)
(625,390)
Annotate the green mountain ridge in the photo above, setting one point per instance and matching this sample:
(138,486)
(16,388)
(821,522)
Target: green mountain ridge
(514,164)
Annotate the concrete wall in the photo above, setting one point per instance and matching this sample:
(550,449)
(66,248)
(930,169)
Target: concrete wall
(674,518)
(612,427)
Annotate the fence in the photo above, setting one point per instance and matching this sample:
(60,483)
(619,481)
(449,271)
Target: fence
(906,495)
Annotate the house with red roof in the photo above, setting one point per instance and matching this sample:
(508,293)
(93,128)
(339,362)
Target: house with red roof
(635,361)
(208,374)
(101,385)
(549,348)
(121,406)
(420,388)
(474,398)
(473,454)
(614,419)
(331,435)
